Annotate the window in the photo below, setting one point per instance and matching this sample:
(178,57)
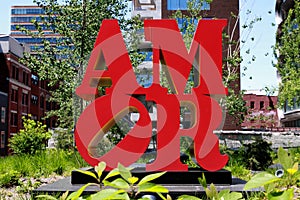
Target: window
(261,105)
(14,119)
(29,27)
(25,78)
(3,112)
(15,73)
(14,95)
(27,11)
(271,105)
(37,40)
(2,139)
(25,19)
(48,105)
(42,99)
(34,99)
(252,103)
(182,5)
(34,79)
(43,84)
(24,99)
(34,117)
(144,5)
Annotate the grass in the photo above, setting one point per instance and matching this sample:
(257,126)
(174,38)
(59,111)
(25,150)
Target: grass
(42,164)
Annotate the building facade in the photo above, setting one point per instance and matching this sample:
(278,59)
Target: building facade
(20,94)
(22,17)
(262,111)
(3,123)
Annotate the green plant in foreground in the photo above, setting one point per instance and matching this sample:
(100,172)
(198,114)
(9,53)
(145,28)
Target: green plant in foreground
(213,194)
(124,187)
(281,186)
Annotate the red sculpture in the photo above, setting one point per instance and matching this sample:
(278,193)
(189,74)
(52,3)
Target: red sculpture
(168,49)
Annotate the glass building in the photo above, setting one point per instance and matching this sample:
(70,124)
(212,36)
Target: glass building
(22,17)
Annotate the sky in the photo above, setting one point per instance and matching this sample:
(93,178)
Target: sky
(259,74)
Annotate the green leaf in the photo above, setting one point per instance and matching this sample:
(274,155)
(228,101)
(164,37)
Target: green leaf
(75,195)
(208,193)
(164,198)
(46,197)
(202,181)
(88,173)
(112,173)
(212,191)
(124,172)
(110,194)
(100,168)
(65,195)
(187,197)
(133,180)
(231,196)
(260,180)
(284,159)
(224,192)
(284,195)
(151,177)
(118,183)
(152,187)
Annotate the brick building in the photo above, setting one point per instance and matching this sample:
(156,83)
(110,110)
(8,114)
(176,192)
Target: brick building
(3,123)
(262,111)
(21,92)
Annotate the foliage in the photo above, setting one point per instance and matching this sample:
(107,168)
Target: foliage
(288,65)
(124,186)
(76,24)
(118,132)
(27,187)
(42,163)
(233,103)
(255,155)
(236,106)
(238,169)
(9,178)
(31,139)
(63,139)
(212,193)
(280,186)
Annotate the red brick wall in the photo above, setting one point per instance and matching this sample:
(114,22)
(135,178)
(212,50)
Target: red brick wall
(253,119)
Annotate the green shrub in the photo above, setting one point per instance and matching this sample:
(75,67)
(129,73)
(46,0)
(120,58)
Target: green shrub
(256,155)
(63,139)
(31,139)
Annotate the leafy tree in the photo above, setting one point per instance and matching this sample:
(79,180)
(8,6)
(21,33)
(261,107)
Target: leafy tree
(64,139)
(31,139)
(233,103)
(288,65)
(76,24)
